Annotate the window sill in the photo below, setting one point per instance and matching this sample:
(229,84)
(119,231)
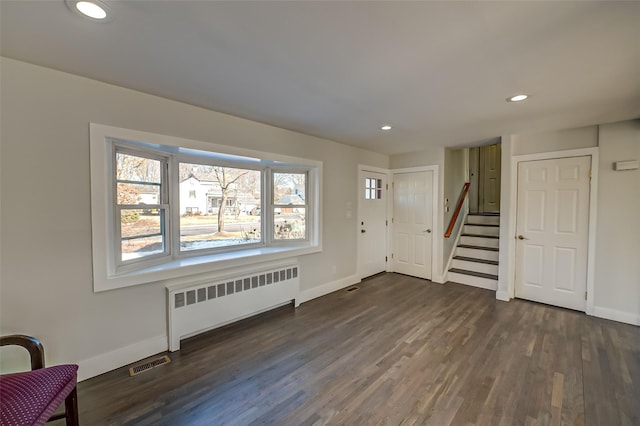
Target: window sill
(187,266)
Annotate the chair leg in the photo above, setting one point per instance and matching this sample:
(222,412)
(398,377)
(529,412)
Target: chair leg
(71,408)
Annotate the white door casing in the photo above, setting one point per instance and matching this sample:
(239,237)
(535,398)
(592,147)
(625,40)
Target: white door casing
(372,222)
(413,223)
(552,231)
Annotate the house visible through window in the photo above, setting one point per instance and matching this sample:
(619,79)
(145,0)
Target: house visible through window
(168,207)
(289,205)
(224,194)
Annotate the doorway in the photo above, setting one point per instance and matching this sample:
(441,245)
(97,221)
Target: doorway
(372,222)
(552,231)
(413,202)
(484,177)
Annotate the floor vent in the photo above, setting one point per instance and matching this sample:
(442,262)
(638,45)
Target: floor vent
(141,368)
(353,288)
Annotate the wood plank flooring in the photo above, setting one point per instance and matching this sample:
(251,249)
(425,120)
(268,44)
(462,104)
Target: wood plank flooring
(399,351)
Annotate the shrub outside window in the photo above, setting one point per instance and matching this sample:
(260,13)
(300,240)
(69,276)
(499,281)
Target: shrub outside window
(140,207)
(289,205)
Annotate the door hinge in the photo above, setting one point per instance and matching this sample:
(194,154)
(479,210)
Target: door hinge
(386,259)
(585,295)
(391,220)
(590,174)
(386,223)
(387,185)
(392,255)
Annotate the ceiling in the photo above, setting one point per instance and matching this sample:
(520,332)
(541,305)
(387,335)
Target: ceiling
(438,72)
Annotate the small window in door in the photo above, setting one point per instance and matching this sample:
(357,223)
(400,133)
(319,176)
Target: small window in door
(372,189)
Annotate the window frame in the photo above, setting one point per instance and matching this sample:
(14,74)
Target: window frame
(108,274)
(165,220)
(273,205)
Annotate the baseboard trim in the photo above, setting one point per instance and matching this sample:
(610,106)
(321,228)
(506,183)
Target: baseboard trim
(126,355)
(503,295)
(491,287)
(120,357)
(330,287)
(439,279)
(615,315)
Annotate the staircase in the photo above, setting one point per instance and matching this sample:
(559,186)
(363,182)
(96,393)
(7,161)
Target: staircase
(475,261)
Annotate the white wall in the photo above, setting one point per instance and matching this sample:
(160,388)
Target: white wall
(617,270)
(583,137)
(45,209)
(455,173)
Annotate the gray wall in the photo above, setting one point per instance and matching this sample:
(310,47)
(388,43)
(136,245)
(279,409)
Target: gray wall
(45,231)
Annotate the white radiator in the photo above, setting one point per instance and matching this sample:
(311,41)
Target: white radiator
(195,307)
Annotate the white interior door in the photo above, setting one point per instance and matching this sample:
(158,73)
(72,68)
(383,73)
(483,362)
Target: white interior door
(552,231)
(413,223)
(372,223)
(490,157)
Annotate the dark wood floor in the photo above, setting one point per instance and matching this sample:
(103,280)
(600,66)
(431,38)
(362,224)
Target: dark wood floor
(399,351)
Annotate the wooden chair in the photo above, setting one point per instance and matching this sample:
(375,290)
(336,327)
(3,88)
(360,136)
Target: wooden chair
(31,397)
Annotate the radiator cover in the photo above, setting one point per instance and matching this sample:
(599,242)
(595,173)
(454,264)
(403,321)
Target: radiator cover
(196,306)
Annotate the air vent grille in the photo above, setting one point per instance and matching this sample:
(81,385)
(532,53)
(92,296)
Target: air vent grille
(148,365)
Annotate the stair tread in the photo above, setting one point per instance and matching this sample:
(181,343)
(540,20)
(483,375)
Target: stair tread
(473,259)
(478,247)
(474,273)
(482,224)
(482,236)
(484,214)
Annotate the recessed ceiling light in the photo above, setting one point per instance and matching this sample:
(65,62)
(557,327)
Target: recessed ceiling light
(385,127)
(93,9)
(518,98)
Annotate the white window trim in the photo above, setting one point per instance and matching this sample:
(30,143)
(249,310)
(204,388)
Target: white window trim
(115,245)
(102,213)
(309,214)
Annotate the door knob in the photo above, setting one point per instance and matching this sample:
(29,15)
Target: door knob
(522,237)
(428,231)
(362,231)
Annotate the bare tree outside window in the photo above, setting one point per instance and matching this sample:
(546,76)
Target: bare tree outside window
(138,198)
(226,199)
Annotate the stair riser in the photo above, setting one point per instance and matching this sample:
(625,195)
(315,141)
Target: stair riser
(477,254)
(483,220)
(475,266)
(479,241)
(472,281)
(481,230)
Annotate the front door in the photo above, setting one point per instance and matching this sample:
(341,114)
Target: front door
(413,223)
(552,231)
(372,223)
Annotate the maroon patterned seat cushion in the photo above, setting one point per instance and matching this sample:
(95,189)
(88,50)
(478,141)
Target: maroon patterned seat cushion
(30,398)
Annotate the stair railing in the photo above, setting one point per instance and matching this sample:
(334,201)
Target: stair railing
(454,218)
